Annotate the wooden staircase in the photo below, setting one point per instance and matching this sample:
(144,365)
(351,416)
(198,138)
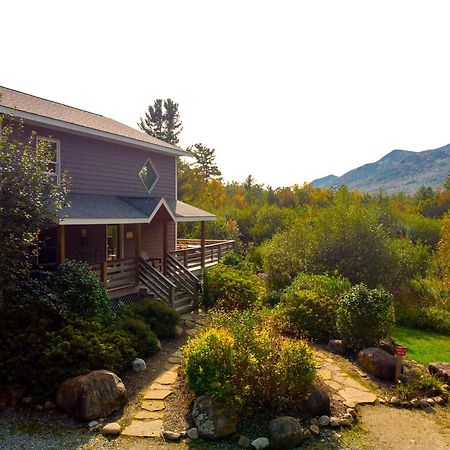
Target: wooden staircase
(179,287)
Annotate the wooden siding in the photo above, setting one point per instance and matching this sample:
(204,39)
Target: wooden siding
(99,167)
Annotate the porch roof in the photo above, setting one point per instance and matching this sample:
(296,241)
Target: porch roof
(85,209)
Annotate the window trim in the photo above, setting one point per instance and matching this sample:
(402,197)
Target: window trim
(58,155)
(156,173)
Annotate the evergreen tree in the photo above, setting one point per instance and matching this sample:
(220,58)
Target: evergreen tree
(205,161)
(162,121)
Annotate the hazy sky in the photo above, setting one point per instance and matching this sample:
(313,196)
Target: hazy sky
(285,90)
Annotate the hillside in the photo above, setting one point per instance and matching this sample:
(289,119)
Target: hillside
(399,170)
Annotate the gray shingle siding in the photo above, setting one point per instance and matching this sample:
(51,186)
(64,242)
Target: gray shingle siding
(99,167)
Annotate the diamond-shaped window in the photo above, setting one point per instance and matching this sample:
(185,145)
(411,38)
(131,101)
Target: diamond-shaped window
(149,175)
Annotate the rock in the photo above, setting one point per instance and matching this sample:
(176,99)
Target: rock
(317,402)
(314,429)
(138,365)
(91,396)
(111,429)
(377,362)
(441,370)
(306,434)
(394,401)
(323,421)
(244,442)
(336,346)
(193,433)
(388,345)
(261,442)
(285,432)
(381,401)
(49,405)
(334,422)
(92,424)
(171,435)
(178,331)
(345,423)
(406,404)
(314,421)
(415,402)
(446,387)
(424,403)
(430,401)
(438,400)
(212,419)
(39,408)
(349,417)
(352,412)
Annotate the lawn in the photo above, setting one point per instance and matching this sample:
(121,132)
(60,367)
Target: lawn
(423,346)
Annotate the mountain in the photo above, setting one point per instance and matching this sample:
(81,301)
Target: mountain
(399,170)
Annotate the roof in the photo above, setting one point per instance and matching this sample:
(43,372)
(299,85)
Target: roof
(85,209)
(57,115)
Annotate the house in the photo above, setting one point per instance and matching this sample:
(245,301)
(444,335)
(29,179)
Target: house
(123,208)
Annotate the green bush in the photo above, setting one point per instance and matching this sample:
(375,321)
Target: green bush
(365,316)
(81,291)
(209,363)
(161,317)
(308,307)
(240,358)
(231,288)
(143,338)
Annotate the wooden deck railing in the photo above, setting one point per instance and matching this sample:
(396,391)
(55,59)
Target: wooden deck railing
(189,252)
(156,282)
(117,273)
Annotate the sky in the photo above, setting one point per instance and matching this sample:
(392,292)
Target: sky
(287,91)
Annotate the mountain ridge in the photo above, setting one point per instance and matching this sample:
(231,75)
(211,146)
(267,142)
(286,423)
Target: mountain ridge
(397,171)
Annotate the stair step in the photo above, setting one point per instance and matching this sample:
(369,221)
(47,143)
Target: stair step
(188,307)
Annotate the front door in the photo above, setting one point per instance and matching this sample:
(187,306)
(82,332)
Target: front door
(112,242)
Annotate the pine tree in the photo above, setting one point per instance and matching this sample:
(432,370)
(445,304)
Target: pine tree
(162,121)
(204,160)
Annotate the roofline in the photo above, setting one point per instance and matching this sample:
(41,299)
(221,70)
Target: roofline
(196,218)
(117,220)
(87,131)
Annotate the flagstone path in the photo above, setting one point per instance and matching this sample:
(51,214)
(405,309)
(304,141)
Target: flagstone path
(148,422)
(346,389)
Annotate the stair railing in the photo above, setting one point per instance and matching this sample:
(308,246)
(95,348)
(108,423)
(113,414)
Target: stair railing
(158,284)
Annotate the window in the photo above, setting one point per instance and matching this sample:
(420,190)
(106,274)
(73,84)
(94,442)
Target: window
(54,166)
(149,175)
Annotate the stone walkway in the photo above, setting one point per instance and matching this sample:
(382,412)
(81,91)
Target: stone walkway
(148,422)
(346,389)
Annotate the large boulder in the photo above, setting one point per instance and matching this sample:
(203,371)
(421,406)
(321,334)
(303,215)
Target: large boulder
(317,402)
(441,370)
(377,362)
(91,396)
(212,419)
(285,432)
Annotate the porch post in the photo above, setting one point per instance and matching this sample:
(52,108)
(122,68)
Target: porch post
(164,245)
(61,232)
(138,239)
(202,244)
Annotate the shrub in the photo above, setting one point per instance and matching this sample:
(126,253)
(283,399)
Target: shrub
(231,288)
(161,317)
(233,259)
(365,316)
(144,340)
(241,359)
(209,363)
(81,291)
(308,307)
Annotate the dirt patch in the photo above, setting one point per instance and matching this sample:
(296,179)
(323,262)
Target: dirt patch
(386,428)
